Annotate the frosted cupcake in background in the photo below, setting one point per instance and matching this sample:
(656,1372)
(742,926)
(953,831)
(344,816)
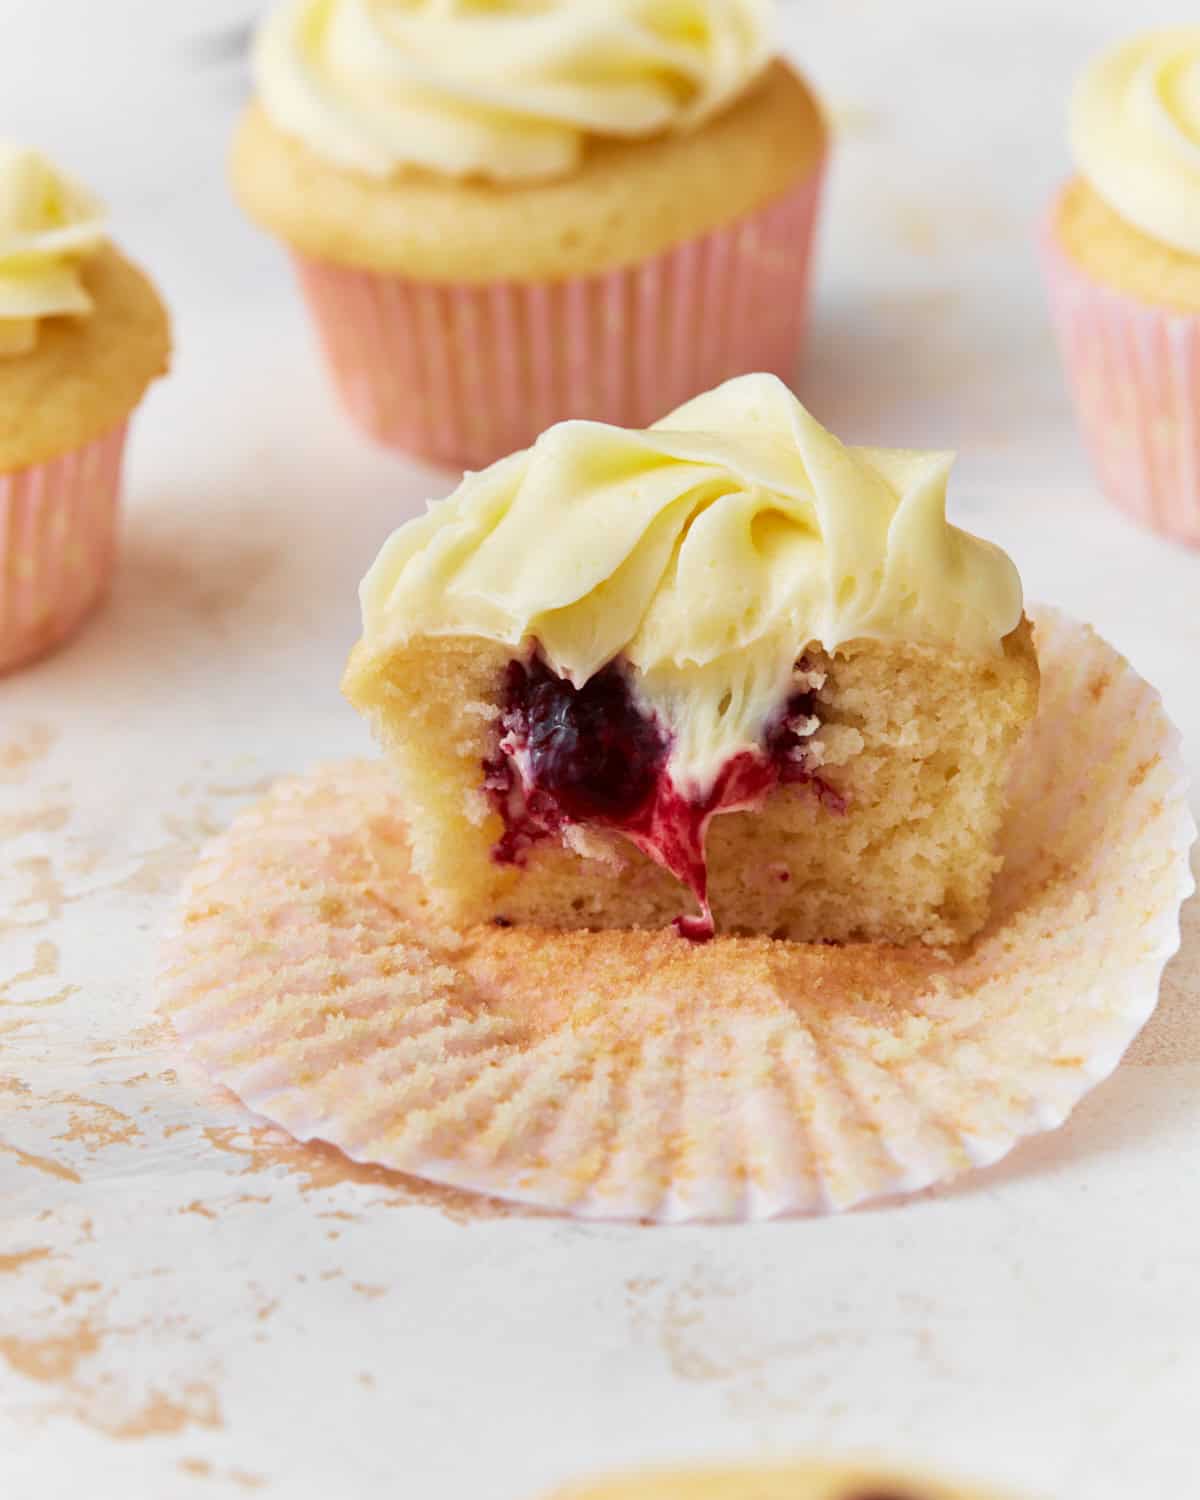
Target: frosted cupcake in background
(801,1481)
(508,215)
(82,335)
(1122,256)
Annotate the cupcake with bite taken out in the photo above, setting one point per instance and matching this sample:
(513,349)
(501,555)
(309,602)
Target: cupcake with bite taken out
(724,673)
(1121,250)
(82,335)
(512,214)
(729,676)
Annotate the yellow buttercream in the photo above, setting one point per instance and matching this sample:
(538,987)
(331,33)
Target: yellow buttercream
(1135,133)
(48,224)
(507,89)
(707,550)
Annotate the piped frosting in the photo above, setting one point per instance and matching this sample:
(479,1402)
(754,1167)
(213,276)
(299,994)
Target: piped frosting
(1135,133)
(48,226)
(705,552)
(506,89)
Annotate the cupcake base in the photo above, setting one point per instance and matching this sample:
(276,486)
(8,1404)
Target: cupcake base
(634,1075)
(58,524)
(465,374)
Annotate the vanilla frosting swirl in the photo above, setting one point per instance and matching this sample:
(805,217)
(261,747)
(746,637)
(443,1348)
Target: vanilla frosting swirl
(507,89)
(707,551)
(48,225)
(1135,133)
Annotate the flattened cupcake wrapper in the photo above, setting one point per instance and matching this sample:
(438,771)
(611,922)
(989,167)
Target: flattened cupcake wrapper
(632,1075)
(466,374)
(58,526)
(1134,373)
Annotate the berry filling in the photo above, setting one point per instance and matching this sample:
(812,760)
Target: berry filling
(570,755)
(882,1495)
(592,755)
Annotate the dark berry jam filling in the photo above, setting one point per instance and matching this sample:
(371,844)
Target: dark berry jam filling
(569,755)
(592,755)
(589,748)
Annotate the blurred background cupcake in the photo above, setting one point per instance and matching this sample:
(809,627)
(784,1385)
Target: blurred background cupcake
(511,214)
(800,1481)
(1122,257)
(82,335)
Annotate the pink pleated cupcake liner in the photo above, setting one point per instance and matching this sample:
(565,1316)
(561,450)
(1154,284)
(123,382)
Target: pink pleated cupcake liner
(58,527)
(1134,373)
(465,374)
(632,1075)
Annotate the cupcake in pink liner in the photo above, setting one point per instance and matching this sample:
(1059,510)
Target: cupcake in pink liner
(509,216)
(1121,250)
(805,1479)
(82,335)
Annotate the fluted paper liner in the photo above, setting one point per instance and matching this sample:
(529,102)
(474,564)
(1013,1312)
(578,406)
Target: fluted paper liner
(58,529)
(628,1075)
(465,374)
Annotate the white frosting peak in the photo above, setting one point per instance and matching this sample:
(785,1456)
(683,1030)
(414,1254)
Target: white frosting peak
(1135,133)
(48,224)
(508,89)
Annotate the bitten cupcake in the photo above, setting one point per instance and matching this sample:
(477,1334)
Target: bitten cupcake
(729,675)
(508,215)
(1122,255)
(725,663)
(82,335)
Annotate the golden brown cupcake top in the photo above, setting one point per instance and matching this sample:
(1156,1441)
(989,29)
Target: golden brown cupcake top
(625,200)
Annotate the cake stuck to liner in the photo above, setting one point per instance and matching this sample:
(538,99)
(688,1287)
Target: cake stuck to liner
(725,659)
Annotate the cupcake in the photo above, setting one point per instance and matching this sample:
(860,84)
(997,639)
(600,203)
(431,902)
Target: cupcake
(509,215)
(1122,254)
(82,335)
(724,672)
(803,1481)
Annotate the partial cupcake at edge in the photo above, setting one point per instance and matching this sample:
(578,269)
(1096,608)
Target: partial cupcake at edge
(811,1480)
(724,673)
(1121,248)
(507,216)
(83,333)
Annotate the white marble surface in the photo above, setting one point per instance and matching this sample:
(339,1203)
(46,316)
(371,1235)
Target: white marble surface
(189,1306)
